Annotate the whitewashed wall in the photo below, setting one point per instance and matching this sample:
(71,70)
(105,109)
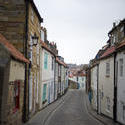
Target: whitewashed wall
(94,86)
(120,89)
(106,86)
(48,76)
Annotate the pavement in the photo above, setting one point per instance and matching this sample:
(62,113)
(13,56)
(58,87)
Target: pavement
(71,109)
(41,117)
(105,120)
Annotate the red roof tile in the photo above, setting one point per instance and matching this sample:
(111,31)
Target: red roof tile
(108,52)
(45,46)
(13,51)
(60,62)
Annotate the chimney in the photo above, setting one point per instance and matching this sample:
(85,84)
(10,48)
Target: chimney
(114,24)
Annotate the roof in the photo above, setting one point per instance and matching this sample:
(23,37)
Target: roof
(122,21)
(60,62)
(36,10)
(12,50)
(45,46)
(108,52)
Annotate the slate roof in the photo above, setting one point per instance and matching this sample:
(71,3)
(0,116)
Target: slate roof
(12,50)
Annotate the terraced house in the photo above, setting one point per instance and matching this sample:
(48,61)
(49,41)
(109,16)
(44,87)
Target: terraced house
(107,88)
(20,23)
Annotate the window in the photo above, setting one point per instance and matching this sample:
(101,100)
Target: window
(16,95)
(107,69)
(37,47)
(108,103)
(52,63)
(44,92)
(45,60)
(42,35)
(121,67)
(82,79)
(122,32)
(59,70)
(32,15)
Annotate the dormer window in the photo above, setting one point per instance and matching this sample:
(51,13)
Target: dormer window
(42,35)
(32,15)
(122,32)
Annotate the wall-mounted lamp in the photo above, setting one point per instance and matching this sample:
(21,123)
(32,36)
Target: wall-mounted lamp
(35,39)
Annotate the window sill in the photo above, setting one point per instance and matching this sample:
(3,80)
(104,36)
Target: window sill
(107,75)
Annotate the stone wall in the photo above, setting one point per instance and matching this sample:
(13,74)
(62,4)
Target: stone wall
(12,22)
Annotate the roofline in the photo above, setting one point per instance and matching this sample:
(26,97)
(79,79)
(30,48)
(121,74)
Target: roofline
(36,10)
(47,48)
(122,21)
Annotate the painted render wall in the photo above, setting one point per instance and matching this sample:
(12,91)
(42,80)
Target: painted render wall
(94,86)
(106,86)
(120,89)
(17,72)
(56,81)
(48,77)
(62,79)
(81,81)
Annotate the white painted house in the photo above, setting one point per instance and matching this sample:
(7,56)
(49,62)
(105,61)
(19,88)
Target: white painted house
(120,80)
(48,67)
(94,86)
(106,82)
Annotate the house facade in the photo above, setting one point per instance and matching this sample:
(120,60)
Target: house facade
(106,85)
(21,26)
(117,36)
(94,80)
(12,76)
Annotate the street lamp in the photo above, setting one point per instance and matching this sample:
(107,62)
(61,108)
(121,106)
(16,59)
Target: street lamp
(35,39)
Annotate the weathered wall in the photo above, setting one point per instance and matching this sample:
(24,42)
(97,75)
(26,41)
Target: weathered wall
(12,22)
(106,86)
(17,72)
(48,76)
(94,86)
(120,89)
(33,51)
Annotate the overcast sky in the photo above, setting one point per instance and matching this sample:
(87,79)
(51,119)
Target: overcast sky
(79,27)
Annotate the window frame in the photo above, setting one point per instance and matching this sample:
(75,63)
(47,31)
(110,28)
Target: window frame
(121,67)
(45,60)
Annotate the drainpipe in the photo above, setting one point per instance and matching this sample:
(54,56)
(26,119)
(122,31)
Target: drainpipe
(55,79)
(97,88)
(115,90)
(26,112)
